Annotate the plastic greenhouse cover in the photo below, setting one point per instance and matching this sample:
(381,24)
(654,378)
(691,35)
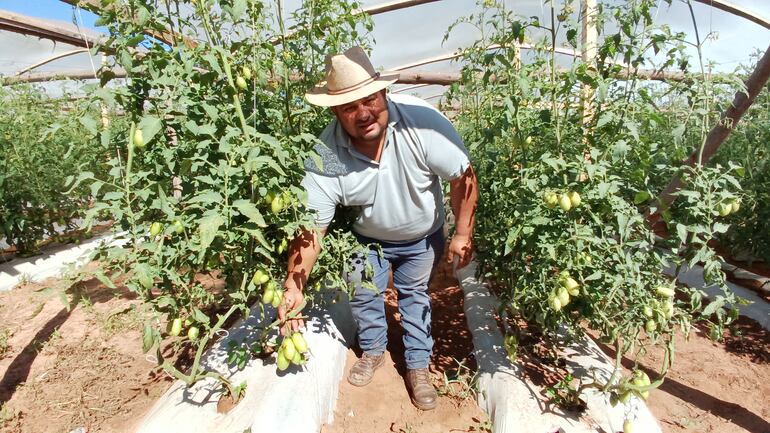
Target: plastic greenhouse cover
(409,35)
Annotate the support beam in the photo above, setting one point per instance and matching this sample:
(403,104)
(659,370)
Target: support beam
(408,88)
(392,6)
(52,58)
(27,25)
(163,36)
(39,77)
(418,77)
(737,10)
(444,57)
(729,120)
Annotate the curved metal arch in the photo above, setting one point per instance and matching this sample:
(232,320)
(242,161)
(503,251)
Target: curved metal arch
(52,58)
(738,11)
(444,57)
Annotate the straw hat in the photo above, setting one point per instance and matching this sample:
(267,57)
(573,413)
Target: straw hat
(349,76)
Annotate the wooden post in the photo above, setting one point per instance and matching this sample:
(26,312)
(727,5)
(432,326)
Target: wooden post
(588,53)
(727,123)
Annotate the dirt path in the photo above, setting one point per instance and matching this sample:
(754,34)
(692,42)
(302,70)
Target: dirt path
(714,387)
(84,367)
(384,404)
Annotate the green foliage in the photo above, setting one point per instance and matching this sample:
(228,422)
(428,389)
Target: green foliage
(536,136)
(211,184)
(749,146)
(42,142)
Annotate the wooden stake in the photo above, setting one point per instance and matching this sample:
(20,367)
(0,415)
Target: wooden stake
(729,120)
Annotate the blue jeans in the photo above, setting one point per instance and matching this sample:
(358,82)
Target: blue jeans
(412,264)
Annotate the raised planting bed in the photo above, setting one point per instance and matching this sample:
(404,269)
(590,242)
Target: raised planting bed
(517,404)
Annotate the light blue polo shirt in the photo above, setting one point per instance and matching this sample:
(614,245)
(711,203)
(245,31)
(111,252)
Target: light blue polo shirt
(400,198)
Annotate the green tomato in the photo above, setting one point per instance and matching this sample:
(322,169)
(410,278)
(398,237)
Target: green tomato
(574,198)
(641,378)
(628,426)
(283,245)
(650,326)
(551,199)
(155,229)
(724,208)
(241,83)
(281,362)
(572,286)
(176,326)
(297,358)
(276,206)
(299,342)
(565,202)
(178,227)
(267,296)
(277,298)
(288,348)
(193,333)
(735,206)
(138,139)
(555,303)
(664,292)
(246,72)
(260,277)
(668,309)
(648,311)
(563,296)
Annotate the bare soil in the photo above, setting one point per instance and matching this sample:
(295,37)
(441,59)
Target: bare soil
(715,386)
(62,369)
(384,404)
(80,367)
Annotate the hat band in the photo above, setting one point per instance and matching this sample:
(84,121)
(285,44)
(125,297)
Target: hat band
(355,86)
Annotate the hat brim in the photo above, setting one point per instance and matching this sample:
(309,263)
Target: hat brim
(319,95)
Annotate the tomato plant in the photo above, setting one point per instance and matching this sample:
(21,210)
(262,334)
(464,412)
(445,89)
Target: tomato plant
(43,140)
(205,180)
(562,231)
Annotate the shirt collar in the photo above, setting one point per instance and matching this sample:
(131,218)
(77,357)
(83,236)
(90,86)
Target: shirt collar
(394,116)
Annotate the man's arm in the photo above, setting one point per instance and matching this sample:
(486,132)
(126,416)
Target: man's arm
(463,195)
(303,253)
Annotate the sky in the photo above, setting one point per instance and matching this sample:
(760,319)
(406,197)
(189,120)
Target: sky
(48,9)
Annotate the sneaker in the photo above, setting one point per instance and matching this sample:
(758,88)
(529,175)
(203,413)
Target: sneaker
(423,394)
(363,370)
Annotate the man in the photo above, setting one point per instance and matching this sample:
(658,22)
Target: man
(386,155)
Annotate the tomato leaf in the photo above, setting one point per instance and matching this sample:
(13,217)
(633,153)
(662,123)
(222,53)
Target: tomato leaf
(150,126)
(209,228)
(250,211)
(148,338)
(199,317)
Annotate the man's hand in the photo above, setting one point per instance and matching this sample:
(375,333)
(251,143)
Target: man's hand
(461,246)
(463,194)
(293,299)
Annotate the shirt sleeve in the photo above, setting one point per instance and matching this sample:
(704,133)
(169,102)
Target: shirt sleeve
(322,197)
(445,153)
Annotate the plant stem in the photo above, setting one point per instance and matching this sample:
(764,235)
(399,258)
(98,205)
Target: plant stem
(284,70)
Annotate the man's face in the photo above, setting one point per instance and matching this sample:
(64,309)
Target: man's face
(365,119)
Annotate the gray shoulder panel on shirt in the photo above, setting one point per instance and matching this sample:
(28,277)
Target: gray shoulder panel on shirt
(328,151)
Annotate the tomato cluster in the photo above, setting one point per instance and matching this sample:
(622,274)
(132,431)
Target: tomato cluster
(293,350)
